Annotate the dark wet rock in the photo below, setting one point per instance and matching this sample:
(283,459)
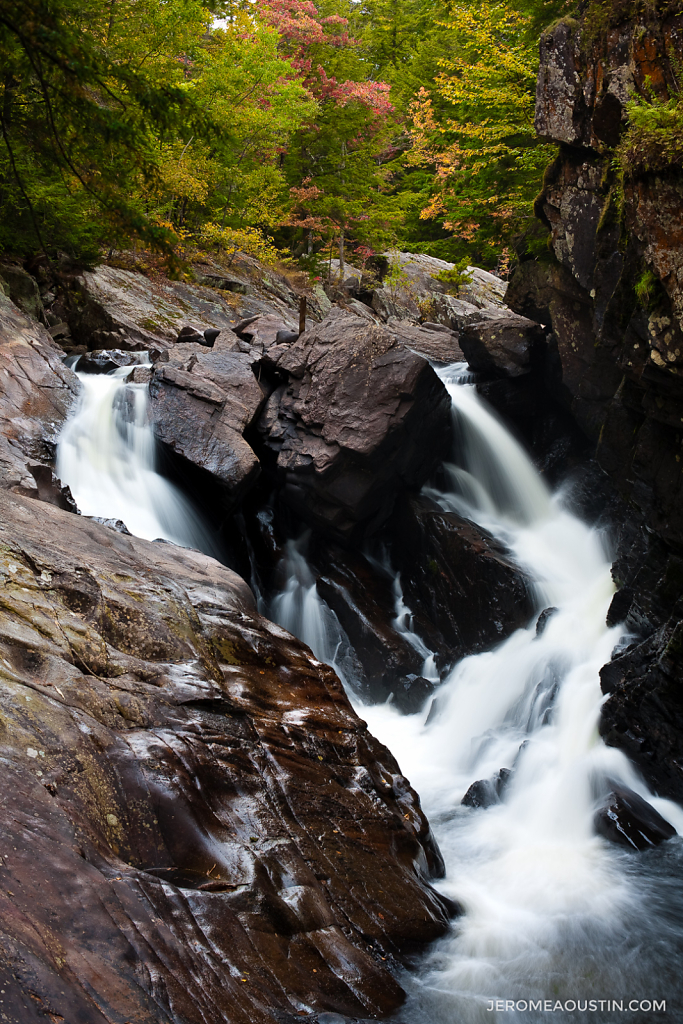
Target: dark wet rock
(543,619)
(435,342)
(106,360)
(38,391)
(196,824)
(643,714)
(362,598)
(487,792)
(630,821)
(505,346)
(286,337)
(201,407)
(51,489)
(360,419)
(210,335)
(456,578)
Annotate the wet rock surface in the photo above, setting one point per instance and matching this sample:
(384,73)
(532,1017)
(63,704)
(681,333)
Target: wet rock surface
(360,419)
(457,579)
(196,825)
(364,600)
(630,821)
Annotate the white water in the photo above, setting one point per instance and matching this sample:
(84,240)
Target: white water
(549,906)
(107,456)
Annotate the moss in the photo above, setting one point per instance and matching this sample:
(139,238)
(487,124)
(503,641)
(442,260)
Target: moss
(226,650)
(645,287)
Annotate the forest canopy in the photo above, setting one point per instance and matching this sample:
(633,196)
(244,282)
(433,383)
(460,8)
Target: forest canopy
(272,125)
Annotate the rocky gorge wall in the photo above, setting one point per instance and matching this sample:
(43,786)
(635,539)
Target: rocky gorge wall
(611,288)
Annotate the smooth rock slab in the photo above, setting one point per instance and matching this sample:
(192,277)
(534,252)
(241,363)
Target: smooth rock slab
(196,827)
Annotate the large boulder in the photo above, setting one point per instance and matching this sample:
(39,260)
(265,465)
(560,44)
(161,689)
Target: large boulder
(457,578)
(38,391)
(360,419)
(202,401)
(196,824)
(502,346)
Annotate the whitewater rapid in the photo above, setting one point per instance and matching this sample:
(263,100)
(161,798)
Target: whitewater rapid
(545,899)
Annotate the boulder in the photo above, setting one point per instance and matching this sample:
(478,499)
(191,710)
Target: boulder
(22,289)
(200,408)
(433,341)
(487,792)
(456,313)
(360,419)
(456,577)
(38,391)
(394,303)
(625,818)
(197,826)
(104,360)
(504,346)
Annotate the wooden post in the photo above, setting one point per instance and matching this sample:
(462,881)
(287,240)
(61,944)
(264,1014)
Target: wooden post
(302,314)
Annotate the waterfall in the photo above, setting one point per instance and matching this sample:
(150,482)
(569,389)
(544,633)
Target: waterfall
(541,892)
(107,456)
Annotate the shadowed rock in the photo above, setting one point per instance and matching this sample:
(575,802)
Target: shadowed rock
(503,346)
(459,582)
(38,391)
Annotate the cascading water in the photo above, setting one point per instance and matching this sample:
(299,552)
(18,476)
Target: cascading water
(544,897)
(549,906)
(107,456)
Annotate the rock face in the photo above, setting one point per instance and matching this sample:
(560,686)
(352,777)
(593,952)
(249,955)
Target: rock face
(37,393)
(201,405)
(614,297)
(196,826)
(458,577)
(360,419)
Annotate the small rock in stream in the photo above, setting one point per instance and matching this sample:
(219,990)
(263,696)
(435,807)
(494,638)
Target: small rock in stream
(628,820)
(486,792)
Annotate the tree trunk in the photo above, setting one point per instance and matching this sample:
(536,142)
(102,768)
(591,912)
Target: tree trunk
(341,255)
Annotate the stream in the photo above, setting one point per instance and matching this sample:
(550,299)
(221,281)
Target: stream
(552,911)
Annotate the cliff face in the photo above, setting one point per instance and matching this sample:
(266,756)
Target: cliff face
(612,289)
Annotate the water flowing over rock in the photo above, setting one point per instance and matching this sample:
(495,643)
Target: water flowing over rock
(197,825)
(360,419)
